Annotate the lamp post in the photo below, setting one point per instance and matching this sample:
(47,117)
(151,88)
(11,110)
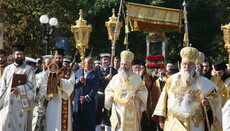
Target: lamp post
(113,28)
(226,32)
(48,30)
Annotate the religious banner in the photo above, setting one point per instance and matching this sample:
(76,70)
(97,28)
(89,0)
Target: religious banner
(150,18)
(62,42)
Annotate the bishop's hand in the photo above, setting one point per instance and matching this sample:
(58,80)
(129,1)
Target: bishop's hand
(135,96)
(110,99)
(205,102)
(161,125)
(161,122)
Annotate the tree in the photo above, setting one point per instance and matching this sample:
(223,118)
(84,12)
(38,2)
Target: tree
(22,25)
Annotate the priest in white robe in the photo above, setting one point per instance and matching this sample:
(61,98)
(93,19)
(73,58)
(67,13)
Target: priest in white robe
(59,107)
(14,101)
(127,96)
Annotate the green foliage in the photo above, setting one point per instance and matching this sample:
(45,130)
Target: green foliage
(22,26)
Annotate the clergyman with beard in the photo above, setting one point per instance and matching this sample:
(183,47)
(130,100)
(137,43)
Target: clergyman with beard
(222,89)
(127,96)
(180,106)
(58,111)
(14,102)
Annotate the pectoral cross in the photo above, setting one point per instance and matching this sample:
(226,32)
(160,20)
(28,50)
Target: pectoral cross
(197,118)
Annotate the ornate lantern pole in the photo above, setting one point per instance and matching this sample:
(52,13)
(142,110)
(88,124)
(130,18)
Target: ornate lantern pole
(226,32)
(186,37)
(113,27)
(81,34)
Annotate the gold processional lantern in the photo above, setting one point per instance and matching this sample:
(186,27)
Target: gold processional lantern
(113,28)
(81,34)
(226,32)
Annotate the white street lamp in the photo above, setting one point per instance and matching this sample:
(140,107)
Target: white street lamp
(48,30)
(44,19)
(53,21)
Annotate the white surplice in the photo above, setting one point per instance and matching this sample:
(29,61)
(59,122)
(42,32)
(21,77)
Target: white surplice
(13,118)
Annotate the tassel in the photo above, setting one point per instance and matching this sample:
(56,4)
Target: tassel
(127,30)
(185,40)
(126,40)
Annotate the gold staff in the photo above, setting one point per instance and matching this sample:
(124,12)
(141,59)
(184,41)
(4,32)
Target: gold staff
(186,38)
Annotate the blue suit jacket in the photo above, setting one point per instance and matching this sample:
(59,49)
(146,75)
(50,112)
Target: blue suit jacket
(90,90)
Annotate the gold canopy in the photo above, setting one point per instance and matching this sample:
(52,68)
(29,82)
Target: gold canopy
(150,18)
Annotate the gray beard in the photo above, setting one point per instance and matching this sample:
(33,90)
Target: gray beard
(187,76)
(124,74)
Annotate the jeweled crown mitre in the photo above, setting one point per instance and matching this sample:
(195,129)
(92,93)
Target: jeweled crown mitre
(127,56)
(189,54)
(200,58)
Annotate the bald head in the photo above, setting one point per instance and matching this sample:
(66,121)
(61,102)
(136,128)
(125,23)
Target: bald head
(88,63)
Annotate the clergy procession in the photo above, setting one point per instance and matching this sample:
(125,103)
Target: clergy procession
(121,89)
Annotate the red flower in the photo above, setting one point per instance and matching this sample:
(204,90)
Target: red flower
(155,57)
(155,66)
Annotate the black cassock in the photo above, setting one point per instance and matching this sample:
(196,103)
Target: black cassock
(102,114)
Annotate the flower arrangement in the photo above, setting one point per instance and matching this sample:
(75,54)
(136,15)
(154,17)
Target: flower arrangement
(155,61)
(155,57)
(155,66)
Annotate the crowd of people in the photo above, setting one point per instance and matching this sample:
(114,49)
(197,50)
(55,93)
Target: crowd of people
(52,93)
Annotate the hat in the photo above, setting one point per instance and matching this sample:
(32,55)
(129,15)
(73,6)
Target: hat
(136,62)
(59,51)
(171,61)
(127,56)
(39,60)
(30,59)
(66,60)
(47,56)
(200,58)
(174,69)
(104,55)
(220,65)
(97,62)
(189,54)
(143,63)
(18,48)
